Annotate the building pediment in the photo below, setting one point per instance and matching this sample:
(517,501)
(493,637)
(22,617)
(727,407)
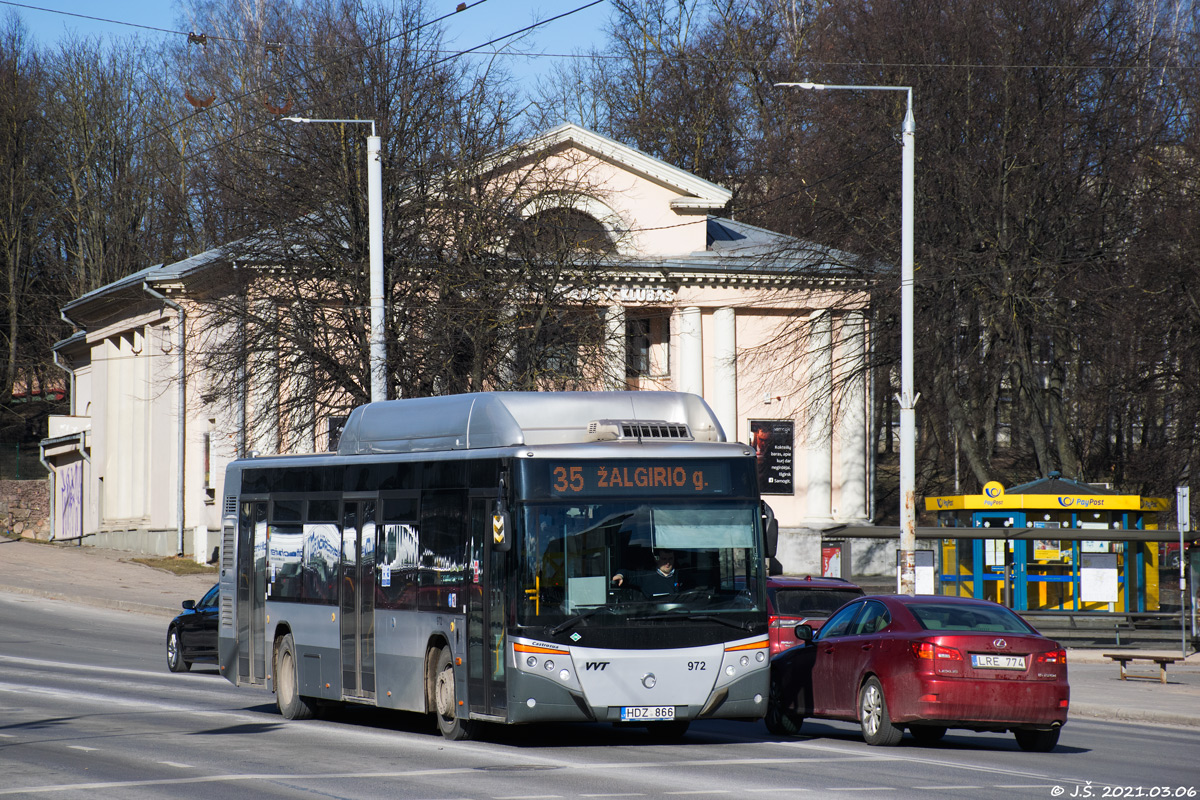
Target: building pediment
(693,193)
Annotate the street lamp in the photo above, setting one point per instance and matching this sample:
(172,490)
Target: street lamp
(375,236)
(908,399)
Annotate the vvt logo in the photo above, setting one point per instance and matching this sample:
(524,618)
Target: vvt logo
(596,665)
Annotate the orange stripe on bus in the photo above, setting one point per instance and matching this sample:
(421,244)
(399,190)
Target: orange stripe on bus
(749,646)
(529,648)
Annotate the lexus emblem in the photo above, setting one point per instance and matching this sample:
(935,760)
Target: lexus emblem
(999,644)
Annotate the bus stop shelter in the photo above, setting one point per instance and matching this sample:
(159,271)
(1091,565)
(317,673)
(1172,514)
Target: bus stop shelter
(1055,544)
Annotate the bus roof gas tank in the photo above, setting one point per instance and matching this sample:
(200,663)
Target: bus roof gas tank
(507,419)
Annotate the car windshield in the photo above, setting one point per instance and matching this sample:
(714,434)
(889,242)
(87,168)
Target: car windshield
(812,602)
(606,563)
(958,617)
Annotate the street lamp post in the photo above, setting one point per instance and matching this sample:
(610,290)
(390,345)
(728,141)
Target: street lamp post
(375,237)
(908,398)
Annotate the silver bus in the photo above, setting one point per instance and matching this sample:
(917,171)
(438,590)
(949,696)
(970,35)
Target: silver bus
(500,557)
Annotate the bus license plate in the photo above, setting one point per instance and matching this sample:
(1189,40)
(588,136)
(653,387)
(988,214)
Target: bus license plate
(647,713)
(997,662)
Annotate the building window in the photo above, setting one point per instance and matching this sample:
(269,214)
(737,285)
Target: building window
(637,347)
(647,339)
(334,432)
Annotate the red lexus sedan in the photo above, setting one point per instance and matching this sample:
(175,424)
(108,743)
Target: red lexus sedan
(925,663)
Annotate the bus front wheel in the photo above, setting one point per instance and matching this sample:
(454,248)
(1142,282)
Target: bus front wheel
(287,683)
(450,720)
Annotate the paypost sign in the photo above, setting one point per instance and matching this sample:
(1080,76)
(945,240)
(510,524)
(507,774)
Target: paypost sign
(1041,502)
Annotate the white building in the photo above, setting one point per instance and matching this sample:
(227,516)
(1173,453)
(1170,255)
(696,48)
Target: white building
(703,302)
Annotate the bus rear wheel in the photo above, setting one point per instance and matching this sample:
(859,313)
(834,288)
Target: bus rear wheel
(292,705)
(450,722)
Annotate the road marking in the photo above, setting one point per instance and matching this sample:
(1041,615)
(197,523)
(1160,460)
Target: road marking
(176,764)
(945,788)
(81,747)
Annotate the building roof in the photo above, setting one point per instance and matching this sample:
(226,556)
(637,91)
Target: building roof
(733,249)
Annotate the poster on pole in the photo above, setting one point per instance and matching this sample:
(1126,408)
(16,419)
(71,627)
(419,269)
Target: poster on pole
(773,441)
(925,572)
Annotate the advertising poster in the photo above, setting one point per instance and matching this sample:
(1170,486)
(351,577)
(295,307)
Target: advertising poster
(1098,579)
(773,446)
(831,561)
(1047,550)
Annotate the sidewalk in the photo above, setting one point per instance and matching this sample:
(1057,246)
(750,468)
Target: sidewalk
(92,576)
(110,578)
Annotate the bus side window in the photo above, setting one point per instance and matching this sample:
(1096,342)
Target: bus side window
(443,537)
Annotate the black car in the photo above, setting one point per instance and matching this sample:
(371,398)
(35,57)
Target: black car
(192,636)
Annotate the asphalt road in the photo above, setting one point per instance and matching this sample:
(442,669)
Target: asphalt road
(88,709)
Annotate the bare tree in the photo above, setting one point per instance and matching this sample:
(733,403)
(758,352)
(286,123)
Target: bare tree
(482,291)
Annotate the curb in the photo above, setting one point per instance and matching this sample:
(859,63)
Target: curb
(1095,711)
(83,600)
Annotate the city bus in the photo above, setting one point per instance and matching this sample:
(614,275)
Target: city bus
(490,557)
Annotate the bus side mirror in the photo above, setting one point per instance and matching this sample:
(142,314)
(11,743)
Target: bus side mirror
(501,529)
(770,531)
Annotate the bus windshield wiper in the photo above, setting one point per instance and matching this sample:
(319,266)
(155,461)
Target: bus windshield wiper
(746,626)
(571,622)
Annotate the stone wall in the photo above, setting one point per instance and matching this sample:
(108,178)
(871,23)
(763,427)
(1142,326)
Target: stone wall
(25,508)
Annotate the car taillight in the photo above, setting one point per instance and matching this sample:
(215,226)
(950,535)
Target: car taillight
(782,633)
(1052,657)
(935,652)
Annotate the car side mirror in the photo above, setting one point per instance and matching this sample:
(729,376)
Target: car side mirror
(804,633)
(189,605)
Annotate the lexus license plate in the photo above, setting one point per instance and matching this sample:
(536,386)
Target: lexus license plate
(647,713)
(981,661)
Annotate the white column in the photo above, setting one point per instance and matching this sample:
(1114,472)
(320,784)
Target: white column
(725,371)
(614,347)
(819,437)
(691,352)
(850,432)
(264,390)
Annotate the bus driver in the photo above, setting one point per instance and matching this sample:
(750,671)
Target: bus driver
(654,583)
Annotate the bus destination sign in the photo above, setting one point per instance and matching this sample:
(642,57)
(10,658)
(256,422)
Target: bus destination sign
(592,478)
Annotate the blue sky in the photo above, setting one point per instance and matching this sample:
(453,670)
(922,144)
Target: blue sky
(478,24)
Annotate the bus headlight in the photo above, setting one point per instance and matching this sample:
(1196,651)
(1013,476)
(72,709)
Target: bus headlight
(565,675)
(549,665)
(730,670)
(531,661)
(745,661)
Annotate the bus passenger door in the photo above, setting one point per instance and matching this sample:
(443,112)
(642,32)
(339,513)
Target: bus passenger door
(485,616)
(252,594)
(357,598)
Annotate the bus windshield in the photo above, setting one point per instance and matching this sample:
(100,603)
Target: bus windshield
(607,563)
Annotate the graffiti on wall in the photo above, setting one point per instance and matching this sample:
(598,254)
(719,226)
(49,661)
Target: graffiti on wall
(69,501)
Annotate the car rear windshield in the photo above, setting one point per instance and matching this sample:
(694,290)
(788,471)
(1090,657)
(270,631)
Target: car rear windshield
(812,602)
(954,617)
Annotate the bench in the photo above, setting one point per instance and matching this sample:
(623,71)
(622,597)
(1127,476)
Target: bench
(1125,658)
